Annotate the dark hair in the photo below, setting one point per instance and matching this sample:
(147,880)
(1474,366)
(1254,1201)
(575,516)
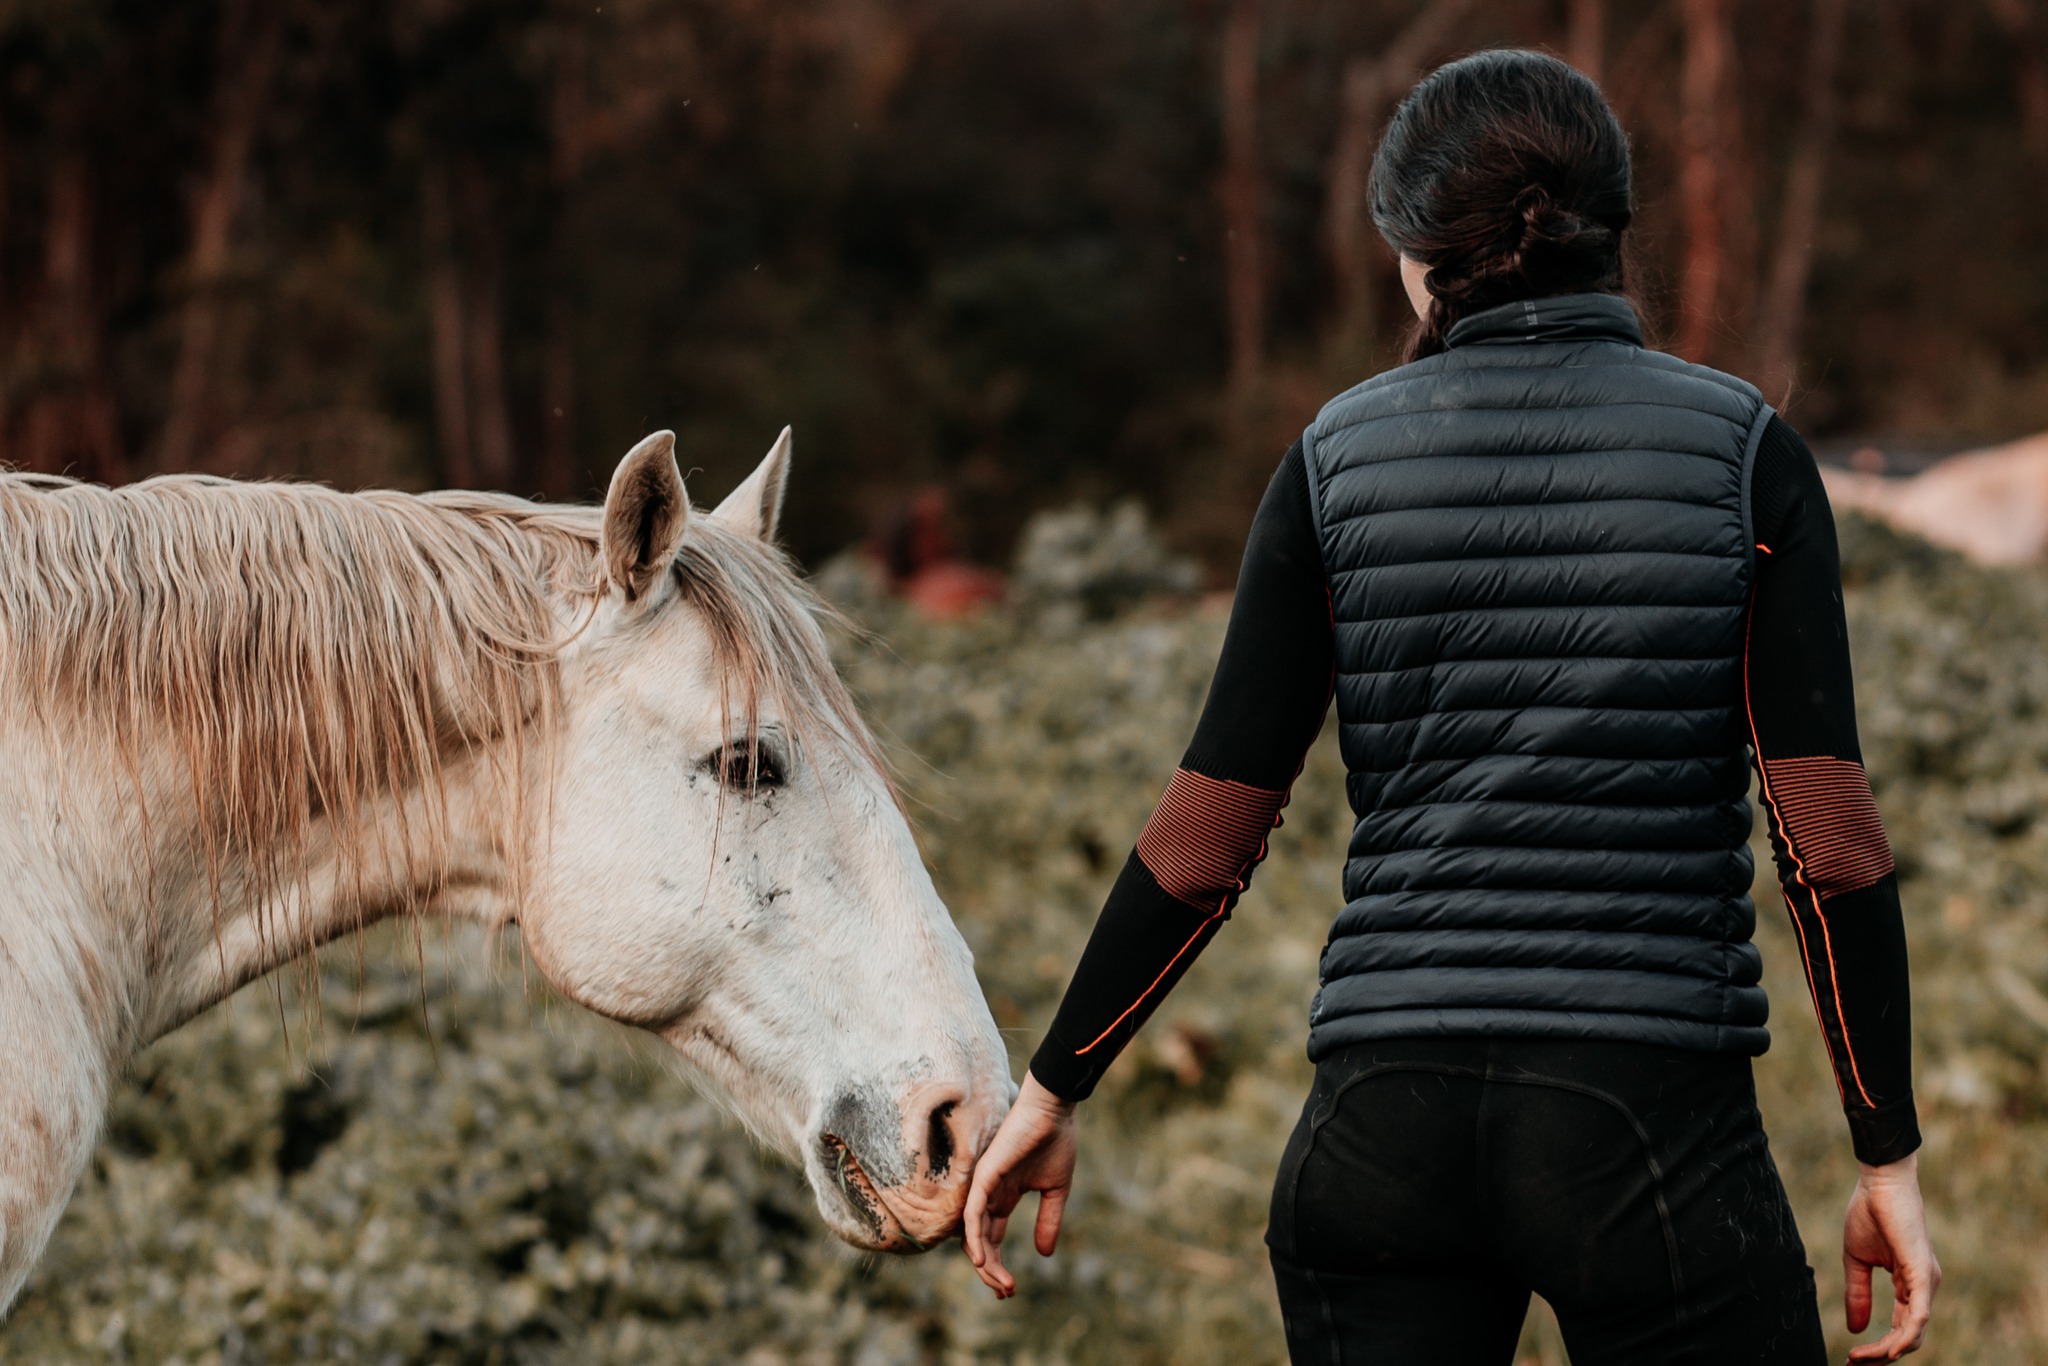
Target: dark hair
(1508,176)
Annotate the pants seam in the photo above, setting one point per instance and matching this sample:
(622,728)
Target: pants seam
(1491,1074)
(1330,1333)
(1656,1169)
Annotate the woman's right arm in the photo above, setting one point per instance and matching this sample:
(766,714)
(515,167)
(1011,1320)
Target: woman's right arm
(1194,858)
(1196,854)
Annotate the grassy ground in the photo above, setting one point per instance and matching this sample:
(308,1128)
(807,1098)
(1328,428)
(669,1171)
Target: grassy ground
(530,1185)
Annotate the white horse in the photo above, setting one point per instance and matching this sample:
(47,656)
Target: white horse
(239,720)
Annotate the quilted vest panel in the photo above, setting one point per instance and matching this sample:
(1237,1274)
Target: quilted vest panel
(1540,565)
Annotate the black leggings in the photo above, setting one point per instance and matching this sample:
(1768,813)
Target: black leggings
(1432,1184)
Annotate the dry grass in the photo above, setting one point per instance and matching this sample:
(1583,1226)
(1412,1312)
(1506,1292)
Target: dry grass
(546,1193)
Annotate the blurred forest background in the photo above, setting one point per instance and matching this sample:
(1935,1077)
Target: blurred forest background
(1016,250)
(991,257)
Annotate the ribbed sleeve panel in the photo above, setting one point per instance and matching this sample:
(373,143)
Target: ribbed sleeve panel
(1205,835)
(1831,822)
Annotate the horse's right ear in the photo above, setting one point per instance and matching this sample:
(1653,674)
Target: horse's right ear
(644,515)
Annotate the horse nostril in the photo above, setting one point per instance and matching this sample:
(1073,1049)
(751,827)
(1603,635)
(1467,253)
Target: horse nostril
(939,1142)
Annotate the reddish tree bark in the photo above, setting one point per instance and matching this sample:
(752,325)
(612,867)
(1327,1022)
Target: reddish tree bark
(1586,36)
(1240,194)
(1703,172)
(484,345)
(1371,83)
(465,275)
(247,52)
(72,424)
(444,302)
(559,474)
(1784,302)
(2027,27)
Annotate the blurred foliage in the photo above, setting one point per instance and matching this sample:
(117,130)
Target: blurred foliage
(975,244)
(531,1185)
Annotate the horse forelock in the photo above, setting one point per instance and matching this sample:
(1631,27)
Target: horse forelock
(763,621)
(305,653)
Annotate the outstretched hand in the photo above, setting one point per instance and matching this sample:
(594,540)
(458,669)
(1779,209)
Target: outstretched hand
(1887,1226)
(1034,1150)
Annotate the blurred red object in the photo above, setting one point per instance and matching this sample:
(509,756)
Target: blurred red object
(952,588)
(923,567)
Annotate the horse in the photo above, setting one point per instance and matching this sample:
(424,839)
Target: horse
(245,719)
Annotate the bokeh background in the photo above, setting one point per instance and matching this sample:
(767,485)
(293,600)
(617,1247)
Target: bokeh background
(1045,286)
(1024,250)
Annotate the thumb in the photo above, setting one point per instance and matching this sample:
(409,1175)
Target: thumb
(1052,1205)
(1856,1292)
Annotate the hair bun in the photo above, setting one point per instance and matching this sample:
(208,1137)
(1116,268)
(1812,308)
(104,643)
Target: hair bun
(1507,175)
(1544,221)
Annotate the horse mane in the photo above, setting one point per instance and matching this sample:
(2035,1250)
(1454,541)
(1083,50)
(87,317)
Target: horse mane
(307,653)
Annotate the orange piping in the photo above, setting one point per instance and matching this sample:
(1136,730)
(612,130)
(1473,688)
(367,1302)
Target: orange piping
(1799,865)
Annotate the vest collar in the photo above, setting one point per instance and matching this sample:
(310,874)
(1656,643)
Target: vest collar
(1564,317)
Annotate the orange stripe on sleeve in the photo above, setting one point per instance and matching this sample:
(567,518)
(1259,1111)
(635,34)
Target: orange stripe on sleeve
(1827,815)
(1205,833)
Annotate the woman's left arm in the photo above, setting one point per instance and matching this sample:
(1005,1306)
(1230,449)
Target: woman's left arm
(1836,870)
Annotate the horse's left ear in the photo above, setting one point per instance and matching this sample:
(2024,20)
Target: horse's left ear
(644,515)
(755,507)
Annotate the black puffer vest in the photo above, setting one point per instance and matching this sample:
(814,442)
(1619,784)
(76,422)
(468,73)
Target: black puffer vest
(1540,561)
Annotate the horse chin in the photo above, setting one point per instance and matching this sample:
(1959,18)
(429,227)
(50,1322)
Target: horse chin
(862,1215)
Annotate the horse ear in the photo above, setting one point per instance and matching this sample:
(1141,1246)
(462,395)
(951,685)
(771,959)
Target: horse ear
(644,515)
(755,507)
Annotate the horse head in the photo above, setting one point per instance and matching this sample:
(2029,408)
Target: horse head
(723,862)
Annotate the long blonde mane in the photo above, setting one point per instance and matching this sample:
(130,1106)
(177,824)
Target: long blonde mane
(309,653)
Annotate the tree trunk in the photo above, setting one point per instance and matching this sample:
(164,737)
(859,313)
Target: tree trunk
(560,474)
(444,299)
(72,425)
(1703,155)
(1586,36)
(247,52)
(1240,196)
(2027,27)
(490,423)
(490,420)
(1370,84)
(1784,303)
(7,319)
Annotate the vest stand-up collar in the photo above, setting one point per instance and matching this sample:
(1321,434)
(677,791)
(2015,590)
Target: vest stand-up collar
(1565,317)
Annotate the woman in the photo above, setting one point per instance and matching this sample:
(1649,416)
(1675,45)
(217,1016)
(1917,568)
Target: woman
(1561,588)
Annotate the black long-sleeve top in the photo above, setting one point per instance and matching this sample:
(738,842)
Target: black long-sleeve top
(1266,705)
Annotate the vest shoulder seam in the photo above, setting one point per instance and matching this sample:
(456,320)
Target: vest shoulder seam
(1741,605)
(1714,555)
(1541,659)
(1396,415)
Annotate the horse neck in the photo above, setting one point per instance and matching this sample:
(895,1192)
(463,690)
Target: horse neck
(121,928)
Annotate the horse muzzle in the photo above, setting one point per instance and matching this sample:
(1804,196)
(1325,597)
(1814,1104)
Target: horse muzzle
(896,1181)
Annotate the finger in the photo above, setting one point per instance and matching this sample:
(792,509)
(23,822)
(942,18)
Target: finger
(1856,1293)
(1914,1308)
(1052,1205)
(1910,1313)
(1890,1347)
(993,1273)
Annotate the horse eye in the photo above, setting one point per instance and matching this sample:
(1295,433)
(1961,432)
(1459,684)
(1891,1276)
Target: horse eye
(749,768)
